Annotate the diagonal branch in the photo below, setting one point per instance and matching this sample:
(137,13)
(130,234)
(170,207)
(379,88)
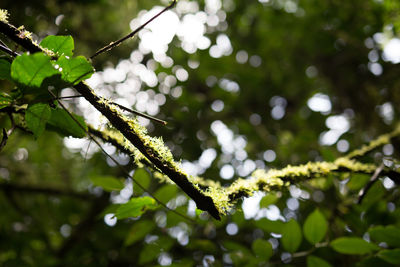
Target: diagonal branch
(118,42)
(123,125)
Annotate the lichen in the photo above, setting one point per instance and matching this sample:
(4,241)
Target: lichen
(354,165)
(260,180)
(380,141)
(220,199)
(3,15)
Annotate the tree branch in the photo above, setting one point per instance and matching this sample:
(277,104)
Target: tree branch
(373,179)
(122,124)
(118,42)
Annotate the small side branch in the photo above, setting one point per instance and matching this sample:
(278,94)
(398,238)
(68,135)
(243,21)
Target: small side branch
(7,50)
(363,192)
(118,42)
(121,107)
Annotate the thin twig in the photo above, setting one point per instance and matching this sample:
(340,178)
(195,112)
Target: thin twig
(123,108)
(139,113)
(68,97)
(373,179)
(4,48)
(6,134)
(118,42)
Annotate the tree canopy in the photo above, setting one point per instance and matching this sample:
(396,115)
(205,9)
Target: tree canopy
(216,133)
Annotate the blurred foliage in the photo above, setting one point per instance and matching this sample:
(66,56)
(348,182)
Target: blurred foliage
(55,212)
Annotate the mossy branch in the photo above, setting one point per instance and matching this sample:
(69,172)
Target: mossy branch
(149,147)
(214,198)
(266,181)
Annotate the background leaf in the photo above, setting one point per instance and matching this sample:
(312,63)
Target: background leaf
(62,122)
(267,200)
(315,227)
(390,255)
(108,183)
(313,261)
(262,249)
(270,226)
(353,246)
(138,231)
(135,207)
(61,45)
(5,70)
(166,193)
(291,236)
(143,178)
(389,234)
(31,70)
(36,117)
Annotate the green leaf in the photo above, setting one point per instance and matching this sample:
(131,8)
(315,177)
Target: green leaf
(143,178)
(74,70)
(108,183)
(173,219)
(149,253)
(5,100)
(138,231)
(135,207)
(238,252)
(262,249)
(166,193)
(152,250)
(31,70)
(61,45)
(374,195)
(36,117)
(291,236)
(392,256)
(270,226)
(353,246)
(389,234)
(62,122)
(313,261)
(5,70)
(268,200)
(357,181)
(203,245)
(315,227)
(232,246)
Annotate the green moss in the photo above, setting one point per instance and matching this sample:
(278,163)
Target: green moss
(261,180)
(380,141)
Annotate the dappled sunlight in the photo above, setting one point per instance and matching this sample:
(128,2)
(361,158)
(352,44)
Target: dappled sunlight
(320,103)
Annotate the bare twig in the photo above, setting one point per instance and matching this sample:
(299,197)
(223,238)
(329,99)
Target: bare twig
(8,50)
(4,139)
(6,134)
(123,108)
(139,113)
(373,179)
(118,42)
